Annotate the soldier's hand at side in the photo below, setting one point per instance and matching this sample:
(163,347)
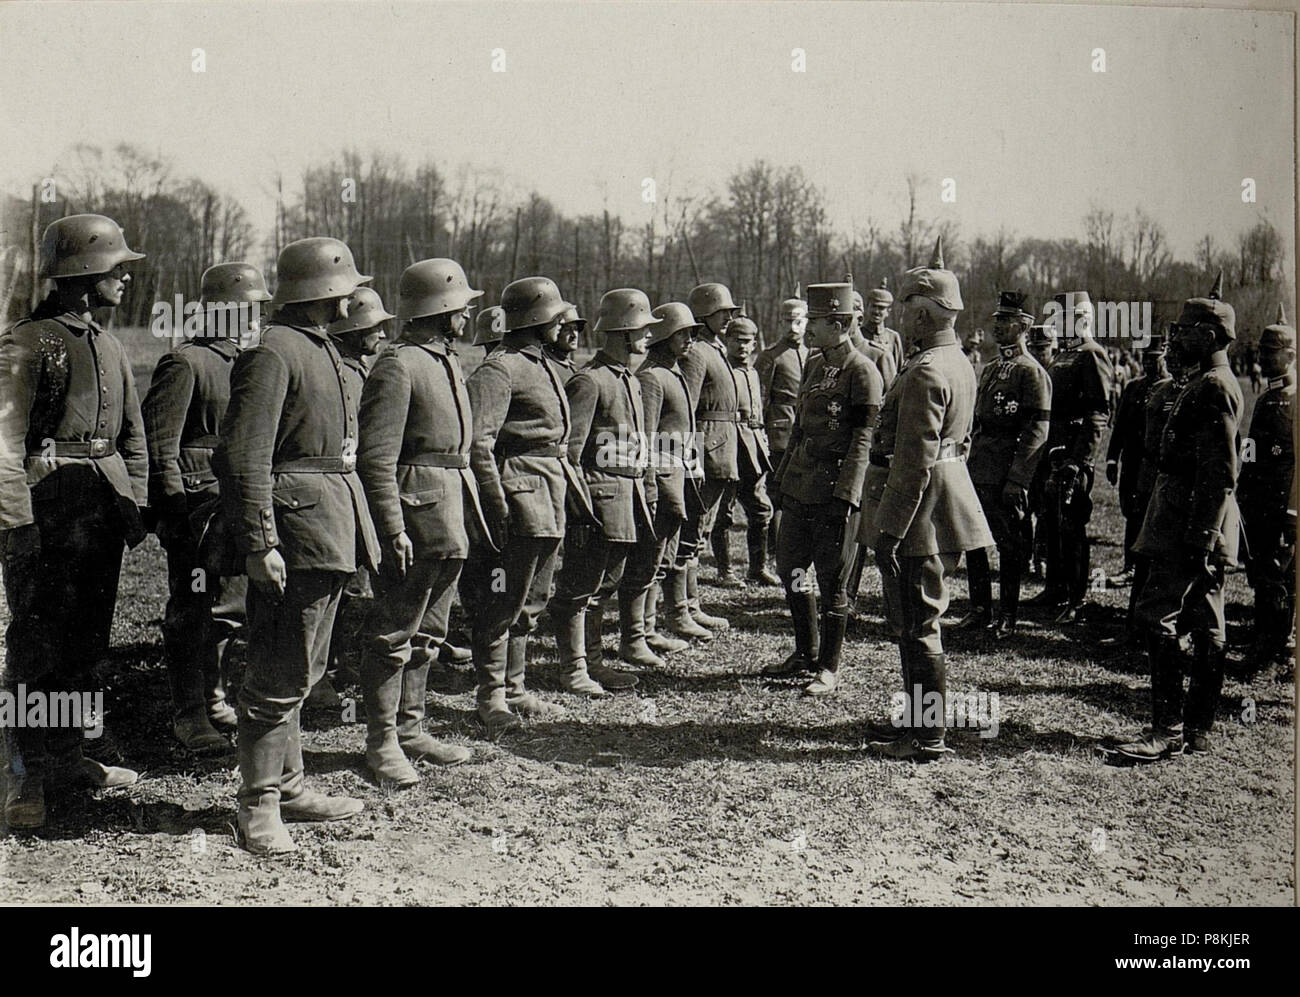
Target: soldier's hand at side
(1015,498)
(500,527)
(266,570)
(404,552)
(1112,471)
(20,543)
(886,551)
(1209,569)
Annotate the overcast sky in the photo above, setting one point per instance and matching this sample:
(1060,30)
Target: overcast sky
(1003,99)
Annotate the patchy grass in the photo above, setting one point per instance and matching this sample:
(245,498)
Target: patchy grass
(710,785)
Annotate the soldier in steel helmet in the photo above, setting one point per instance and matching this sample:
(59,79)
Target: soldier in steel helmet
(519,455)
(1190,533)
(287,468)
(674,472)
(608,442)
(820,484)
(566,343)
(416,428)
(919,508)
(73,476)
(489,329)
(712,384)
(1268,502)
(182,413)
(1012,410)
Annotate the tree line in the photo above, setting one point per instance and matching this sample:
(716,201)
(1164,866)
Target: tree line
(765,232)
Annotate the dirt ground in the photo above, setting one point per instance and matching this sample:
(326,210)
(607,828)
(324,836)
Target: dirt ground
(711,785)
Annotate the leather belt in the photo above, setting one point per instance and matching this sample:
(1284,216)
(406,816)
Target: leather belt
(457,460)
(317,465)
(201,443)
(621,472)
(882,460)
(535,450)
(94,448)
(711,415)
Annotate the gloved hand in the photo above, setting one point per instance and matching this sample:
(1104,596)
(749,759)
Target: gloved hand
(885,550)
(1015,498)
(1112,471)
(1067,476)
(500,526)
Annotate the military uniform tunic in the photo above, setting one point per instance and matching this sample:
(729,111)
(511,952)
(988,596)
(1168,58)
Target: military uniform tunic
(712,385)
(780,371)
(73,463)
(879,354)
(1127,440)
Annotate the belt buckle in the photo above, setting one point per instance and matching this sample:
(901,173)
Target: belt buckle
(349,462)
(98,447)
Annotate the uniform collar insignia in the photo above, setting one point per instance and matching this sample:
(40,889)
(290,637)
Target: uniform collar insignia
(1282,380)
(1009,352)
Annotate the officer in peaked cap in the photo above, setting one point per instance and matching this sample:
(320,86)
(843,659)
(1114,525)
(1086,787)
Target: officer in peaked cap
(1190,534)
(674,472)
(519,455)
(182,414)
(820,484)
(879,353)
(1268,499)
(919,508)
(1012,408)
(878,303)
(298,515)
(713,385)
(73,474)
(413,460)
(1124,451)
(608,442)
(1081,391)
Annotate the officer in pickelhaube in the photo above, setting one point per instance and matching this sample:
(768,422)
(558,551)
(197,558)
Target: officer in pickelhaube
(1190,534)
(73,476)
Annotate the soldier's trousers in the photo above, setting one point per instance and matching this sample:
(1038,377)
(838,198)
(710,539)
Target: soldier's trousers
(505,594)
(407,620)
(1271,572)
(714,494)
(916,598)
(1176,586)
(592,570)
(651,556)
(61,610)
(1134,508)
(751,494)
(199,628)
(814,536)
(288,646)
(1066,532)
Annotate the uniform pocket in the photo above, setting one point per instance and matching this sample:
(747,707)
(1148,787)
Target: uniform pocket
(296,495)
(522,485)
(604,490)
(422,497)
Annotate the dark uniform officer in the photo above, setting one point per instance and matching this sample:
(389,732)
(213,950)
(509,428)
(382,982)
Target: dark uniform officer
(519,456)
(287,469)
(712,384)
(919,508)
(780,370)
(674,472)
(753,462)
(608,441)
(358,338)
(1124,451)
(1268,499)
(1081,389)
(73,473)
(413,460)
(182,414)
(1191,535)
(1012,408)
(820,484)
(1042,347)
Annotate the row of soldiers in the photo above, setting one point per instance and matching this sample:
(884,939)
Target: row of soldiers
(529,485)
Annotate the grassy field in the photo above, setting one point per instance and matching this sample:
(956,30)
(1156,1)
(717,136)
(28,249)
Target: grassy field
(711,785)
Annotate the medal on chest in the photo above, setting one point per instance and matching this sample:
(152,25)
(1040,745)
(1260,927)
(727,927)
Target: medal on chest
(833,410)
(830,377)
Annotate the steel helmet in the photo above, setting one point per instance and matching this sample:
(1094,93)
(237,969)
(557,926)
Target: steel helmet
(706,299)
(531,301)
(489,326)
(233,282)
(673,318)
(433,287)
(82,246)
(624,309)
(315,269)
(365,311)
(570,316)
